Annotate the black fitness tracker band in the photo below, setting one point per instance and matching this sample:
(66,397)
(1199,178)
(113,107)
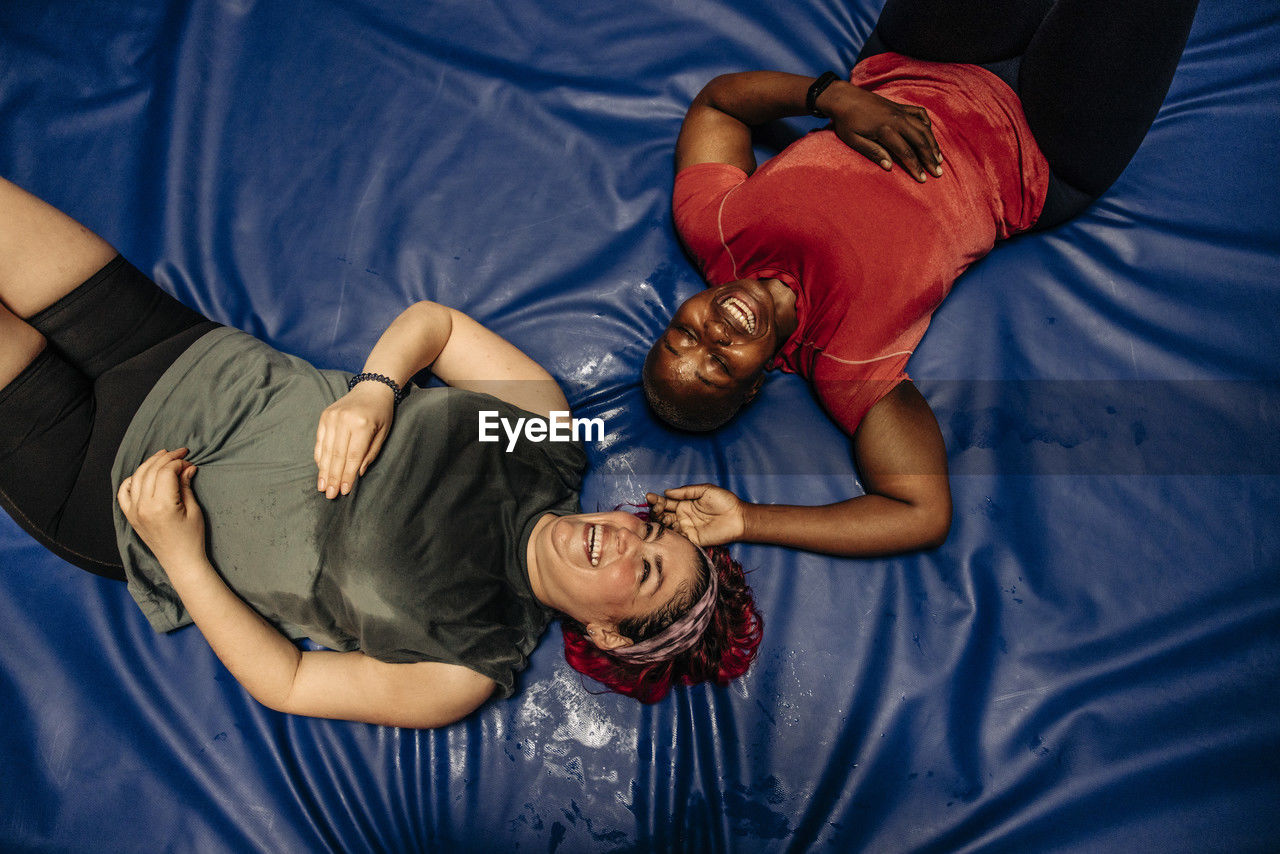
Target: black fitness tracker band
(819,86)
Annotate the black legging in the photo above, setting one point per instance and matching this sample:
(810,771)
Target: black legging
(1091,74)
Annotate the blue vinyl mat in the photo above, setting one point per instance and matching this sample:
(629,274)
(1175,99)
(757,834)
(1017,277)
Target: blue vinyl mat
(1091,663)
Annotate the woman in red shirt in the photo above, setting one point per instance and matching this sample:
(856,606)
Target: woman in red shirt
(821,264)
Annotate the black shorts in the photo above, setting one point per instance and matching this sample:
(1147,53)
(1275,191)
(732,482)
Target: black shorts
(1091,74)
(62,418)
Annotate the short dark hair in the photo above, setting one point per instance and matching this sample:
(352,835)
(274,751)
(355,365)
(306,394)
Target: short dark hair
(710,412)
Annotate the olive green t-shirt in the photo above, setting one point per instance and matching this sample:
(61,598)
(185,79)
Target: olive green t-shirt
(423,561)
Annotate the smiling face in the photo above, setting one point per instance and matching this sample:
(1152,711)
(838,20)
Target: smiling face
(711,358)
(604,568)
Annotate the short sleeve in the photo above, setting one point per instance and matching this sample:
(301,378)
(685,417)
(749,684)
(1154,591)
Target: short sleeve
(848,395)
(695,204)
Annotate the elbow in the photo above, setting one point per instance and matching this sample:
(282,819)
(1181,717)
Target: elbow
(935,530)
(432,312)
(922,517)
(934,524)
(277,695)
(276,701)
(720,81)
(712,94)
(277,690)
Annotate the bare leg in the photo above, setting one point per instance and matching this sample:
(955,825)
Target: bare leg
(74,372)
(44,255)
(19,344)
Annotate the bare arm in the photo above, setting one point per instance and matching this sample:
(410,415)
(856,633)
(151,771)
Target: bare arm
(460,351)
(907,506)
(159,503)
(479,360)
(717,126)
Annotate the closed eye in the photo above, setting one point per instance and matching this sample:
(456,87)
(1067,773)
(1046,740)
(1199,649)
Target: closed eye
(680,336)
(653,532)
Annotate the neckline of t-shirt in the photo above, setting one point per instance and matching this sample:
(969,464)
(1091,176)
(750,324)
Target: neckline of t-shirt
(795,339)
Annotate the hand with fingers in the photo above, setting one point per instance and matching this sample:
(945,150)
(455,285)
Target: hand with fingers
(159,503)
(882,130)
(706,514)
(350,435)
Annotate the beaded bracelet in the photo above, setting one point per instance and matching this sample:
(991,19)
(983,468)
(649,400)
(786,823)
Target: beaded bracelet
(400,393)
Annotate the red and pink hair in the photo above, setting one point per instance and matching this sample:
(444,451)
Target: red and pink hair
(724,653)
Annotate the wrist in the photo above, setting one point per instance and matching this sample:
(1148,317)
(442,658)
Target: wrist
(747,521)
(186,565)
(835,101)
(817,89)
(371,379)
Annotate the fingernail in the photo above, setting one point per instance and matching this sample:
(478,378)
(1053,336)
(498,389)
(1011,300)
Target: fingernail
(320,485)
(885,164)
(346,488)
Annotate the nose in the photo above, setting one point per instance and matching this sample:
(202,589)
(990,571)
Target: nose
(628,539)
(717,330)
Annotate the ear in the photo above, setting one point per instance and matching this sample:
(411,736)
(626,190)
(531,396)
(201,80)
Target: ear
(754,390)
(606,636)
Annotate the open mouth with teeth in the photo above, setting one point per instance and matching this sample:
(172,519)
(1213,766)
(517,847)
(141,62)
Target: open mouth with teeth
(595,539)
(739,313)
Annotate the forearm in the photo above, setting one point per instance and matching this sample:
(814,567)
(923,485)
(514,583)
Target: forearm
(867,526)
(261,659)
(717,127)
(347,686)
(757,97)
(411,343)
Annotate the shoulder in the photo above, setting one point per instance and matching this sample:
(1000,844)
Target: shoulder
(704,184)
(708,177)
(699,191)
(850,391)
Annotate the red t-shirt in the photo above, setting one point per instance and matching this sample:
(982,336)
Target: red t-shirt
(870,254)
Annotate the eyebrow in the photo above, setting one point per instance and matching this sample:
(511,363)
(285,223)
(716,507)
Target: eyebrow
(657,560)
(666,345)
